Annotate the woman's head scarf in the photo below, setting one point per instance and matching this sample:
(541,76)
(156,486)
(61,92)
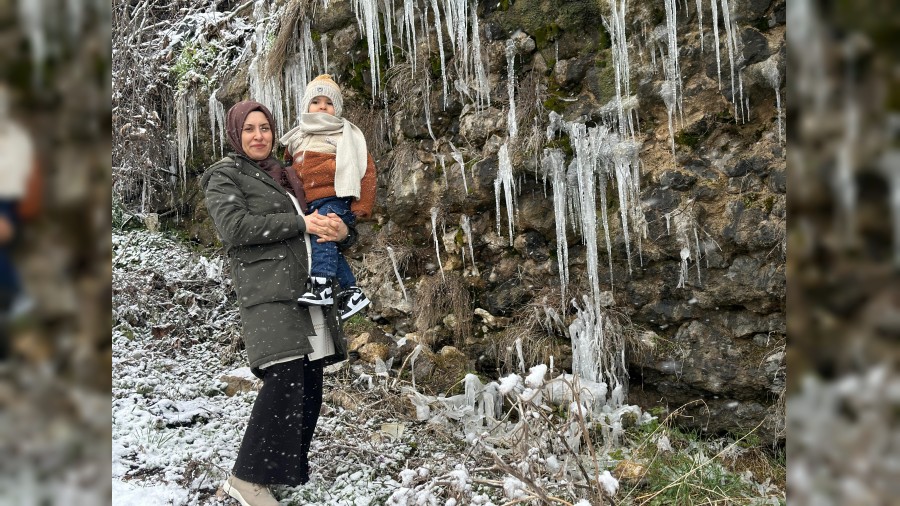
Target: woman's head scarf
(234,126)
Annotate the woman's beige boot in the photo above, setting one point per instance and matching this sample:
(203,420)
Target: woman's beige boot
(249,494)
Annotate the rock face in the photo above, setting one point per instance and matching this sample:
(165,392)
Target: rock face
(706,275)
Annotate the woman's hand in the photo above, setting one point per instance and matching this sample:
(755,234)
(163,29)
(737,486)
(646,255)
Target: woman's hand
(328,228)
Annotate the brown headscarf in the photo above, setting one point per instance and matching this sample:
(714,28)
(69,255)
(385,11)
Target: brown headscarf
(234,125)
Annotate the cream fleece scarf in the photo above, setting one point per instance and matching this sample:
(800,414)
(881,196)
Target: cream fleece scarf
(351,157)
(16,160)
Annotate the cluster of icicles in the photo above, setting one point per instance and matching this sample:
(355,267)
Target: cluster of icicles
(602,154)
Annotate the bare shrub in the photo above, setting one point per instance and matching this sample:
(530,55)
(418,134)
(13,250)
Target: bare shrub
(540,328)
(439,296)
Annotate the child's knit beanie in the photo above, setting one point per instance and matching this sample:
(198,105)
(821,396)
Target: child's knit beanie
(324,86)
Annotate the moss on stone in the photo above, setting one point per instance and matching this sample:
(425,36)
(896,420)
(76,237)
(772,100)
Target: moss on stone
(546,34)
(687,139)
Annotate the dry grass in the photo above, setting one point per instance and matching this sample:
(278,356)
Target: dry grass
(293,11)
(439,296)
(541,329)
(531,116)
(371,121)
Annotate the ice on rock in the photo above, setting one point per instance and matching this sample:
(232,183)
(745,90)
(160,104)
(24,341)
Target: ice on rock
(700,21)
(519,354)
(714,4)
(216,117)
(553,163)
(440,41)
(299,68)
(511,87)
(770,71)
(506,183)
(621,65)
(467,230)
(409,32)
(434,234)
(367,19)
(186,114)
(393,258)
(482,84)
(457,157)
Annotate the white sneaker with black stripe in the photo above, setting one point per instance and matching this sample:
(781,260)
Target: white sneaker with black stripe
(318,293)
(353,300)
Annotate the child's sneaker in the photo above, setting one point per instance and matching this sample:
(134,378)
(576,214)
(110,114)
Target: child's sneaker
(318,294)
(353,300)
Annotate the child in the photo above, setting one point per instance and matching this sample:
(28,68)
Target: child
(329,154)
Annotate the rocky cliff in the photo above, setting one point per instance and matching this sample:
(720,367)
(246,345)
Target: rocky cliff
(603,176)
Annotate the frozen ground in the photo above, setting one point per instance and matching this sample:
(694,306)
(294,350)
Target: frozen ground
(175,432)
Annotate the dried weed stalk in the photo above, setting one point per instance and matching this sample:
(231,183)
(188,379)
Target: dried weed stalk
(438,297)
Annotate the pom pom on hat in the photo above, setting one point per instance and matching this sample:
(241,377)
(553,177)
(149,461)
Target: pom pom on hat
(324,86)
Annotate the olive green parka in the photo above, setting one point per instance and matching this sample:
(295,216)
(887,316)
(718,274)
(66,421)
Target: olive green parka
(265,243)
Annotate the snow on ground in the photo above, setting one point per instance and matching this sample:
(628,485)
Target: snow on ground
(175,432)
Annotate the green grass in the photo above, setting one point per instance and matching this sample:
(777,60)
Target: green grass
(696,471)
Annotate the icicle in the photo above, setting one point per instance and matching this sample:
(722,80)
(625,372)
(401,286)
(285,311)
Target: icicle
(186,112)
(844,183)
(731,44)
(511,87)
(497,201)
(368,25)
(585,160)
(449,8)
(770,71)
(390,251)
(505,178)
(589,347)
(667,92)
(426,102)
(684,226)
(623,154)
(697,258)
(715,24)
(673,68)
(437,248)
(216,115)
(440,40)
(324,40)
(890,165)
(299,68)
(616,29)
(266,90)
(32,16)
(443,170)
(554,164)
(700,21)
(467,230)
(473,387)
(457,157)
(519,354)
(682,276)
(409,22)
(482,84)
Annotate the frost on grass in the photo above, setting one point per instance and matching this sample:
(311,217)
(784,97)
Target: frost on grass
(379,440)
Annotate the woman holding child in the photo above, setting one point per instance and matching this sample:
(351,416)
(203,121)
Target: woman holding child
(258,208)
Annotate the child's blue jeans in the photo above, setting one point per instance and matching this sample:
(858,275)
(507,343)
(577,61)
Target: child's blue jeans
(327,259)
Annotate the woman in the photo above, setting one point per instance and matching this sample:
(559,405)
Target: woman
(256,207)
